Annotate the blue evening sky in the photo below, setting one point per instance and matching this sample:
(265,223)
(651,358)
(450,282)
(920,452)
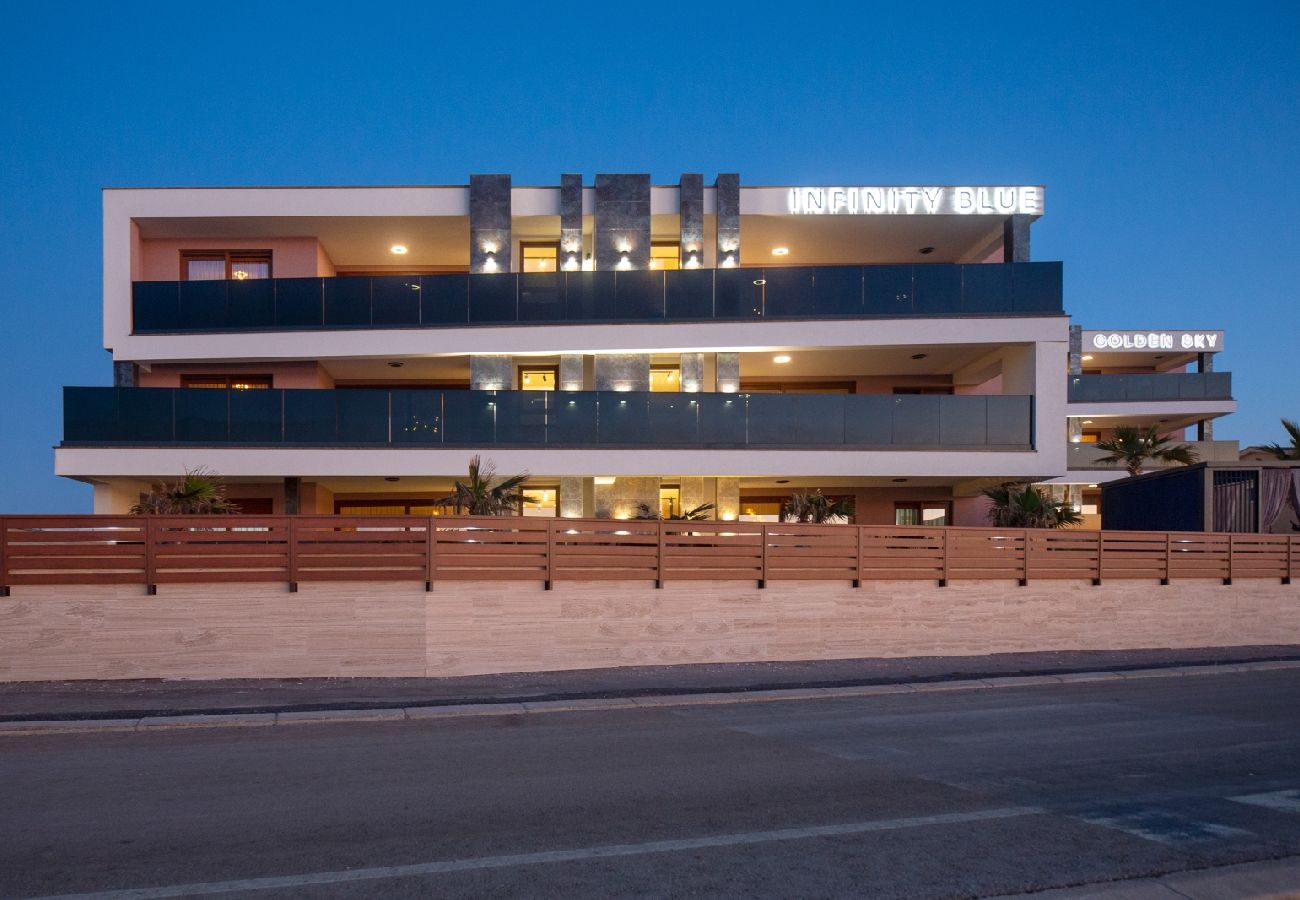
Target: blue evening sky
(1167,135)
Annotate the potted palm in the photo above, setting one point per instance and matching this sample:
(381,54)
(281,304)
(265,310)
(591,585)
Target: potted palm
(698,514)
(1024,506)
(1134,447)
(197,492)
(816,508)
(482,494)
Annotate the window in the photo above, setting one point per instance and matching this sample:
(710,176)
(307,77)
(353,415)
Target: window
(933,514)
(227,382)
(219,265)
(538,378)
(942,390)
(664,255)
(541,500)
(798,387)
(665,378)
(670,501)
(539,257)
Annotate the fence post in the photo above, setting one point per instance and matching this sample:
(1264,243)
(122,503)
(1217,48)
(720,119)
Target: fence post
(1232,543)
(150,569)
(947,535)
(1169,557)
(1101,548)
(762,581)
(857,582)
(430,552)
(1290,558)
(550,553)
(4,557)
(659,557)
(1024,572)
(291,544)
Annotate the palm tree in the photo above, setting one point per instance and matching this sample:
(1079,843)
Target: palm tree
(698,514)
(816,508)
(482,495)
(1024,506)
(1281,451)
(198,492)
(1132,447)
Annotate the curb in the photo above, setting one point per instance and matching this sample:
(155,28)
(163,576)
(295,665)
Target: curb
(655,701)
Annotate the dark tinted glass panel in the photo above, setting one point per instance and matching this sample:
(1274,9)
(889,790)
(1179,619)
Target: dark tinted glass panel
(347,301)
(936,289)
(735,296)
(624,418)
(395,300)
(1009,420)
(963,421)
(202,415)
(203,304)
(255,416)
(469,417)
(521,416)
(868,420)
(363,417)
(772,417)
(722,419)
(541,297)
(639,295)
(787,293)
(588,295)
(251,303)
(1138,387)
(672,420)
(90,414)
(888,290)
(1037,286)
(688,294)
(155,305)
(816,419)
(145,414)
(298,302)
(837,290)
(916,421)
(310,417)
(444,299)
(1178,387)
(1218,385)
(417,417)
(572,418)
(492,298)
(986,288)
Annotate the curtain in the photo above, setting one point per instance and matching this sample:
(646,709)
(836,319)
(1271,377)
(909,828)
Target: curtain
(206,269)
(1275,486)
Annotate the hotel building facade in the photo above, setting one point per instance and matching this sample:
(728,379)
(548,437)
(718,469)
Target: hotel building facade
(631,346)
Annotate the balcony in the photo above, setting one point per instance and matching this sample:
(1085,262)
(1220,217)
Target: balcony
(95,416)
(1153,387)
(688,295)
(1087,456)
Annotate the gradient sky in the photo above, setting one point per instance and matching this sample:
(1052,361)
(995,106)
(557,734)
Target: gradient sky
(1168,136)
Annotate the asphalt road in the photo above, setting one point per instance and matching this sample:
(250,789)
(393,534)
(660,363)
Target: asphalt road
(912,795)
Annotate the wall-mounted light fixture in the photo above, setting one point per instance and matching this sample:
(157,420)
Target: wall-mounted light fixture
(781,359)
(623,262)
(693,261)
(398,249)
(780,251)
(571,262)
(729,261)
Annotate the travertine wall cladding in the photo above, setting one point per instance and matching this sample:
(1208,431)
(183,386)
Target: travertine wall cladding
(467,628)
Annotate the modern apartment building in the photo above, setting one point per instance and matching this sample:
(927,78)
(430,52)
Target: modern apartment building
(631,346)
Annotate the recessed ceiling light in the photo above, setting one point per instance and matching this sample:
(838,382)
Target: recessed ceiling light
(1092,485)
(391,478)
(1087,421)
(899,480)
(760,281)
(395,364)
(399,249)
(919,355)
(783,481)
(926,251)
(781,359)
(780,251)
(1086,358)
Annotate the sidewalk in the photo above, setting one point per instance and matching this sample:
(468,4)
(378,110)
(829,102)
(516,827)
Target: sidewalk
(108,700)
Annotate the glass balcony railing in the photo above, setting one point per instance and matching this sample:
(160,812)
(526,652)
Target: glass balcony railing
(1155,386)
(411,418)
(538,298)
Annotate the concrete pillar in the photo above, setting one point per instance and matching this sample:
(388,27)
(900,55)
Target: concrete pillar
(696,491)
(1205,430)
(622,222)
(125,374)
(571,223)
(1075,497)
(489,223)
(571,372)
(690,206)
(1074,429)
(728,369)
(1205,362)
(692,365)
(292,495)
(622,499)
(728,217)
(623,372)
(491,373)
(570,498)
(728,502)
(1076,349)
(1015,238)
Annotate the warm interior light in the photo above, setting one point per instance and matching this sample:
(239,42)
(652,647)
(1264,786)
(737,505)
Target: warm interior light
(729,261)
(782,359)
(239,275)
(489,264)
(1086,358)
(1092,485)
(399,249)
(780,251)
(604,479)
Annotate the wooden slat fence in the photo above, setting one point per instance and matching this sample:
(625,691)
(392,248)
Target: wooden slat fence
(153,550)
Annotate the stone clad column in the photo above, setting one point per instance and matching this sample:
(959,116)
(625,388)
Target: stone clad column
(570,372)
(570,499)
(489,223)
(623,372)
(622,222)
(728,215)
(1015,238)
(728,368)
(692,365)
(570,223)
(125,374)
(491,373)
(1076,349)
(690,205)
(728,503)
